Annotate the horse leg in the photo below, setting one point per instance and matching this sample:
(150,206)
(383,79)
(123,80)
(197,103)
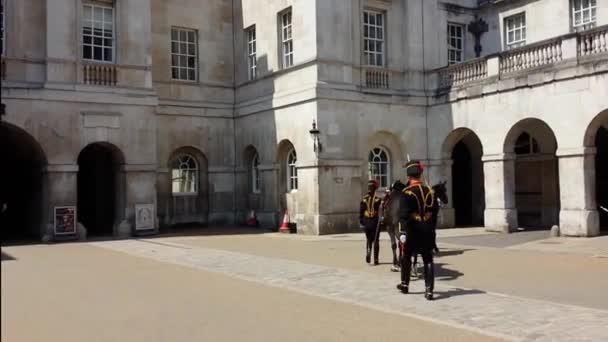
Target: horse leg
(391,229)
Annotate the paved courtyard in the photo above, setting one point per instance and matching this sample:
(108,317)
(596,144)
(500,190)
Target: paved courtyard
(259,286)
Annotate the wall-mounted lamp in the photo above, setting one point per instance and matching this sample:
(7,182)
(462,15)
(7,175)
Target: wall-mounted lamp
(314,132)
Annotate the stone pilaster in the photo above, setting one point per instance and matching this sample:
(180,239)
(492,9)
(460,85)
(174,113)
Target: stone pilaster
(500,214)
(578,215)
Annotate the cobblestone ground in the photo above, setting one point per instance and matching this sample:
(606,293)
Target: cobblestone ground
(493,314)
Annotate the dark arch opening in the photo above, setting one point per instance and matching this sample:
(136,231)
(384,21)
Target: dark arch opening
(601,174)
(99,190)
(468,182)
(21,185)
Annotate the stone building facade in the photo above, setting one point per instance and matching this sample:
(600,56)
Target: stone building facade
(203,110)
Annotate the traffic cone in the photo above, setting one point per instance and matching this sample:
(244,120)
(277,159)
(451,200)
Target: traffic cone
(252,219)
(285,225)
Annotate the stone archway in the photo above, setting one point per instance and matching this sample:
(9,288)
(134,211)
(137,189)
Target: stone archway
(597,137)
(22,185)
(101,190)
(536,189)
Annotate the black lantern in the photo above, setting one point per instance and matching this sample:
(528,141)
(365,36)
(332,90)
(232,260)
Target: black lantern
(314,132)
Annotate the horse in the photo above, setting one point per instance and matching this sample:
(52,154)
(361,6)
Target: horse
(389,216)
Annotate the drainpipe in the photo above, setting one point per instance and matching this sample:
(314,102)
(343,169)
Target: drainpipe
(234,206)
(426,98)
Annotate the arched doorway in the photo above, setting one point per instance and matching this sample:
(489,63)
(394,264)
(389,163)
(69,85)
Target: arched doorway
(467,197)
(601,174)
(100,188)
(21,185)
(189,196)
(536,174)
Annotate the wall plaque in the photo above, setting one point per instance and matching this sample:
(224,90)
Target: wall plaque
(65,220)
(144,216)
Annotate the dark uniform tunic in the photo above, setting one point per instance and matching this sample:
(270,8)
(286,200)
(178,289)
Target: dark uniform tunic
(416,211)
(368,217)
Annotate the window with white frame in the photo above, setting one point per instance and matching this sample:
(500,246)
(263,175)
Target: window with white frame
(379,166)
(184,175)
(583,14)
(2,39)
(286,39)
(515,30)
(98,32)
(526,144)
(292,171)
(183,54)
(251,53)
(255,174)
(373,38)
(455,43)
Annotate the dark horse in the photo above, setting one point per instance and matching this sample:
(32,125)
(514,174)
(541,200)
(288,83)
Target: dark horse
(389,214)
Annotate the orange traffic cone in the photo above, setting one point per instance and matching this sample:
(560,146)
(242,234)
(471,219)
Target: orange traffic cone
(252,219)
(285,225)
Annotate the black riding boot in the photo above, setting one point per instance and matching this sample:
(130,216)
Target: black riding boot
(406,268)
(429,279)
(376,252)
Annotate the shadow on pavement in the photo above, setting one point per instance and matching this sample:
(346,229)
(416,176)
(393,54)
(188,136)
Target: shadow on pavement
(451,251)
(445,274)
(439,295)
(6,257)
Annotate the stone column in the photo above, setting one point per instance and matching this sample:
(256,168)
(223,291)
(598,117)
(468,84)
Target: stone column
(499,172)
(578,215)
(440,170)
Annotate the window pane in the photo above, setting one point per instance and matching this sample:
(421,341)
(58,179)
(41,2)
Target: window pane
(183,61)
(175,73)
(191,75)
(379,20)
(191,62)
(174,47)
(183,74)
(87,40)
(174,34)
(183,48)
(86,52)
(87,13)
(372,20)
(98,14)
(97,41)
(107,55)
(182,36)
(97,53)
(191,49)
(191,36)
(174,60)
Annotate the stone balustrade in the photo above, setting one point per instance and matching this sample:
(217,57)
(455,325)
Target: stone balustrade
(531,56)
(544,53)
(463,73)
(377,78)
(100,74)
(593,42)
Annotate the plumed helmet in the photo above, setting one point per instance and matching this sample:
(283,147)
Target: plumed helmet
(414,168)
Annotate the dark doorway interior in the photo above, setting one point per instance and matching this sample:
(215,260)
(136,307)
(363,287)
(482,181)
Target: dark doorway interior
(462,179)
(21,185)
(98,166)
(601,174)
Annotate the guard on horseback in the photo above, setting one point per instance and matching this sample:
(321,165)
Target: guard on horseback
(368,218)
(417,209)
